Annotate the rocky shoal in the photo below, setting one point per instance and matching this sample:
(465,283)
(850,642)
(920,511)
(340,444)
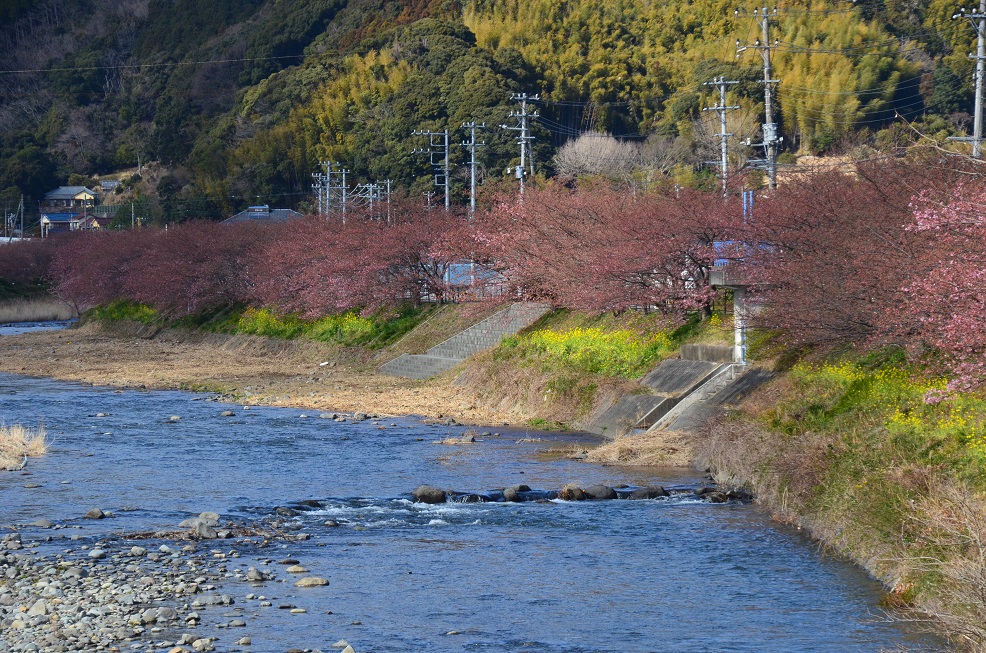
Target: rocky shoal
(113,596)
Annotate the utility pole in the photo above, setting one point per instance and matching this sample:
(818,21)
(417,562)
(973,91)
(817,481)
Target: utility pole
(388,182)
(978,20)
(524,139)
(329,184)
(472,145)
(762,45)
(721,109)
(438,144)
(428,195)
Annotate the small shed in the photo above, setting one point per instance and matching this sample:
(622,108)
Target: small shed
(265,214)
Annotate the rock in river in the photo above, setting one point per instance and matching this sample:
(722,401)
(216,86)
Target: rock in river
(429,494)
(311,581)
(649,493)
(600,492)
(572,492)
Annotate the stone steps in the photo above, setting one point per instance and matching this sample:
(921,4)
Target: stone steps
(483,335)
(419,366)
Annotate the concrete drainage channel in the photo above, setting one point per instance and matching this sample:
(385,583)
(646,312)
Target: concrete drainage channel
(684,393)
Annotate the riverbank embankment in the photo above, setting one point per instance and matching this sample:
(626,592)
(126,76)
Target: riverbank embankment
(879,496)
(249,369)
(857,456)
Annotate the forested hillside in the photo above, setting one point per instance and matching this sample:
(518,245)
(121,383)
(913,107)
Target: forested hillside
(235,102)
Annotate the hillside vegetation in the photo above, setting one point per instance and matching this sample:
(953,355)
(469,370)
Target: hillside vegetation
(236,102)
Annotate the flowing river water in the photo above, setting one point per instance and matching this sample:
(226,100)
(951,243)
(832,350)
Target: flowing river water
(669,575)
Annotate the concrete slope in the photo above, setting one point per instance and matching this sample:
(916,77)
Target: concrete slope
(730,394)
(479,337)
(669,382)
(675,377)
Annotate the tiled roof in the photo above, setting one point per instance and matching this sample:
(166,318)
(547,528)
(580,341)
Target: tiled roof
(67,192)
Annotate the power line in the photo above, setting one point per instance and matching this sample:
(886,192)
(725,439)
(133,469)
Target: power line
(899,86)
(148,65)
(441,165)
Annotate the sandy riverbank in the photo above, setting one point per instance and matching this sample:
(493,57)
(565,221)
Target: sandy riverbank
(301,374)
(247,369)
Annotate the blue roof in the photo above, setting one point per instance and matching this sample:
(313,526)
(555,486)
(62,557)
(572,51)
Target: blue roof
(60,217)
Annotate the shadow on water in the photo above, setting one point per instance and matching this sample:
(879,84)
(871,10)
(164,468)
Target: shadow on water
(675,574)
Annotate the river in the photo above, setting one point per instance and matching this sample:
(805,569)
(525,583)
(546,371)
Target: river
(671,575)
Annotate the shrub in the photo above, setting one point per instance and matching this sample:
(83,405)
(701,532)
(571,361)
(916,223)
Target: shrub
(18,443)
(621,353)
(123,310)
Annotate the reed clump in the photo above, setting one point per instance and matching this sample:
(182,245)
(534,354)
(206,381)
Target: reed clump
(35,310)
(19,442)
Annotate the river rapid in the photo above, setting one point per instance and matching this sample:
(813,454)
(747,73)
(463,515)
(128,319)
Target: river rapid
(674,574)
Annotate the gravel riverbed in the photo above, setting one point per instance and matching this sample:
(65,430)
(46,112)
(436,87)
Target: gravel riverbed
(113,595)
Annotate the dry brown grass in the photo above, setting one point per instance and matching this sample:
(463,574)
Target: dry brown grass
(35,310)
(952,528)
(18,443)
(659,448)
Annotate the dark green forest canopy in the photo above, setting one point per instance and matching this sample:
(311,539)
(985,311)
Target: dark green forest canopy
(238,101)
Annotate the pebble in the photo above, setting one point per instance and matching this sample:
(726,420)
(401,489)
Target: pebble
(109,597)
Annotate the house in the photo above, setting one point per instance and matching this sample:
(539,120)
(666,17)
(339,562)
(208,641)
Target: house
(264,213)
(70,197)
(67,208)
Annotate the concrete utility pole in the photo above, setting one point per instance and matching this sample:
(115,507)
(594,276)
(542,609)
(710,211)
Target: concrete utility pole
(770,138)
(438,144)
(721,109)
(472,145)
(524,139)
(330,184)
(978,20)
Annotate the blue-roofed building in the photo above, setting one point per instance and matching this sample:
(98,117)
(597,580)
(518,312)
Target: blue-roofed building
(67,208)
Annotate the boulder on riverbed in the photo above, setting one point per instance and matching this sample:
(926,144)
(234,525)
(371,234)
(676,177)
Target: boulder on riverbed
(654,492)
(572,492)
(600,492)
(512,493)
(195,522)
(429,494)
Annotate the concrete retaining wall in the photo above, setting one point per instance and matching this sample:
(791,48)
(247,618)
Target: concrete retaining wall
(710,353)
